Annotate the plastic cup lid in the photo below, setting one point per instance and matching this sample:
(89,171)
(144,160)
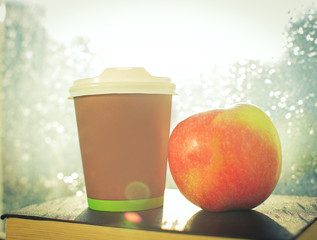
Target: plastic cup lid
(122,80)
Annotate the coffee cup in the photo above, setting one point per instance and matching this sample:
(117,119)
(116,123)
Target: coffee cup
(123,119)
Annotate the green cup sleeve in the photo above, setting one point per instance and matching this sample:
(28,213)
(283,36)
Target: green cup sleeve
(125,205)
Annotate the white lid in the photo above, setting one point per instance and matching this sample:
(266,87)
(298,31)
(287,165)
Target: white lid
(122,80)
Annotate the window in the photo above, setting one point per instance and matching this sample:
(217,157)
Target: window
(217,52)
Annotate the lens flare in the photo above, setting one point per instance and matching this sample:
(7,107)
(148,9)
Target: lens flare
(132,217)
(137,190)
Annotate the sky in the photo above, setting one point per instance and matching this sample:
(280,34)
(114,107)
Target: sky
(173,36)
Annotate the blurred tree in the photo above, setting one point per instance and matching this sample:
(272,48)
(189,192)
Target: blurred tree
(41,150)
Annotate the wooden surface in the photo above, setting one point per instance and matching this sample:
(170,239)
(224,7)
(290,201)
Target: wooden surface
(279,217)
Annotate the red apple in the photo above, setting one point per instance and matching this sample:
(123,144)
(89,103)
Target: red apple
(226,159)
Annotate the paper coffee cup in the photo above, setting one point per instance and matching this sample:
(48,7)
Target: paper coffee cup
(123,119)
